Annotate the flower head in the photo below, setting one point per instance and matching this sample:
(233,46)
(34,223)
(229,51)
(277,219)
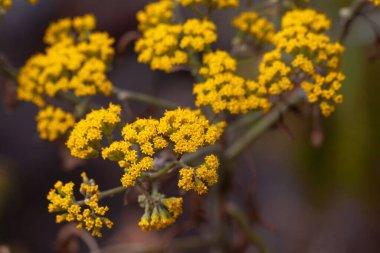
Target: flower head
(91,217)
(160,214)
(76,60)
(200,178)
(155,13)
(159,47)
(53,122)
(84,140)
(260,28)
(198,34)
(189,130)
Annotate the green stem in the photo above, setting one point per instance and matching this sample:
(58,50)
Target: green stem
(241,219)
(112,192)
(247,119)
(163,171)
(107,193)
(262,125)
(123,95)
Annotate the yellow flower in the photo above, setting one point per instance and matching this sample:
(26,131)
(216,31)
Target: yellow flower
(376,2)
(216,63)
(230,92)
(53,122)
(5,5)
(213,3)
(134,171)
(76,61)
(199,179)
(189,130)
(159,47)
(143,133)
(155,13)
(160,214)
(198,35)
(260,28)
(308,18)
(91,218)
(304,56)
(84,140)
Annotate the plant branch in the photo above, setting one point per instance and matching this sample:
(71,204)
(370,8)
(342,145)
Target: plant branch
(124,95)
(107,193)
(262,125)
(354,12)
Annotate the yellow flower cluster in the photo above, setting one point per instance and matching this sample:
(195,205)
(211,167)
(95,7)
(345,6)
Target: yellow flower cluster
(91,218)
(198,179)
(53,122)
(376,2)
(216,63)
(213,3)
(159,47)
(260,28)
(185,129)
(160,214)
(76,60)
(274,73)
(312,54)
(155,13)
(189,130)
(197,34)
(164,45)
(84,140)
(224,90)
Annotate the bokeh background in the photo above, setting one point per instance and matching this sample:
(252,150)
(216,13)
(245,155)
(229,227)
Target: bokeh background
(314,197)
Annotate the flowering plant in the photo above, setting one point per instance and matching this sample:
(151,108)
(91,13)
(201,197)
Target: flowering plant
(299,64)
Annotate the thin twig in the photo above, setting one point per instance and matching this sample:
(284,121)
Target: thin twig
(355,12)
(123,95)
(235,213)
(262,125)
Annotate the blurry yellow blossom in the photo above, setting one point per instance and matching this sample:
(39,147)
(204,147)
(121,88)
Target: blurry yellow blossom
(189,130)
(199,179)
(33,1)
(159,47)
(304,56)
(198,34)
(274,73)
(306,18)
(217,62)
(260,28)
(76,61)
(84,140)
(155,13)
(160,214)
(53,122)
(65,28)
(376,2)
(212,3)
(5,5)
(91,217)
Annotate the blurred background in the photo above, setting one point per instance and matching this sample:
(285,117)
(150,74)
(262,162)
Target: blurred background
(317,187)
